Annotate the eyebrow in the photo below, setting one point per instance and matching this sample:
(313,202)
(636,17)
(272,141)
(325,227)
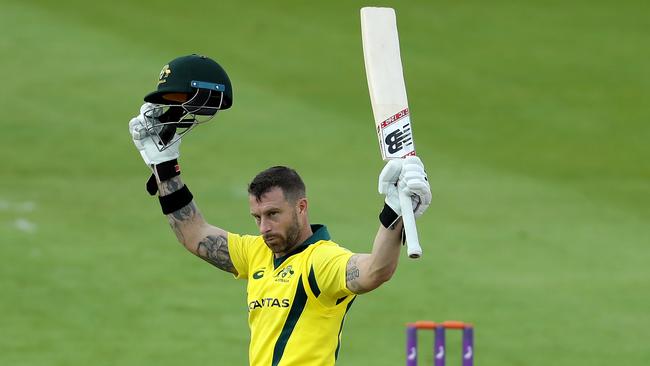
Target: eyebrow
(267,211)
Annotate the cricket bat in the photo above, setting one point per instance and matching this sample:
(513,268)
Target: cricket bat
(389,103)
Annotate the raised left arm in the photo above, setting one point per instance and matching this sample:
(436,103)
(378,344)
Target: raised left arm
(366,272)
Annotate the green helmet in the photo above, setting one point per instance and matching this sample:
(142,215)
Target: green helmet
(191,89)
(188,75)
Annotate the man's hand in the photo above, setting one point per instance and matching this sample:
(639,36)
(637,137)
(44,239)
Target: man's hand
(405,175)
(144,132)
(413,180)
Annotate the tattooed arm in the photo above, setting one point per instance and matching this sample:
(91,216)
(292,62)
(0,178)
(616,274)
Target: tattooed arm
(366,272)
(207,242)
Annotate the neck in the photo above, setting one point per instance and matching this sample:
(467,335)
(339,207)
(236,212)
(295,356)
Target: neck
(305,233)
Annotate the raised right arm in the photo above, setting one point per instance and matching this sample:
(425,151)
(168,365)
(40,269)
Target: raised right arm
(207,242)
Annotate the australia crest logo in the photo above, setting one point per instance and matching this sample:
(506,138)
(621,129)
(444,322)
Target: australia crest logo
(285,274)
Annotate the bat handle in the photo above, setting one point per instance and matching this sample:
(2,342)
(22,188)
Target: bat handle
(412,242)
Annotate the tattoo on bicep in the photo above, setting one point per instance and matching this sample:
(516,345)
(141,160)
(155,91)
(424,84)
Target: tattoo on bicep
(352,274)
(214,250)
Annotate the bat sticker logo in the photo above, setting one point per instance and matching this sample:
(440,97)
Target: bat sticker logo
(395,136)
(396,140)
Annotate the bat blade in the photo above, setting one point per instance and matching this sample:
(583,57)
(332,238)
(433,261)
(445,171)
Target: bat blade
(386,82)
(387,89)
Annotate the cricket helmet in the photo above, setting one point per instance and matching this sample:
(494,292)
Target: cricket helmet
(190,90)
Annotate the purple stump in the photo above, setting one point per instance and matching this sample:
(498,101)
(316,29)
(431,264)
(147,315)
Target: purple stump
(411,346)
(439,346)
(468,346)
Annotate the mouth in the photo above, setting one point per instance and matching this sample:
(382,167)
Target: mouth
(270,238)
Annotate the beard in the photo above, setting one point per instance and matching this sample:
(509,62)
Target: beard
(282,243)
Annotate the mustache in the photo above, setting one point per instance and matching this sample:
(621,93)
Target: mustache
(270,236)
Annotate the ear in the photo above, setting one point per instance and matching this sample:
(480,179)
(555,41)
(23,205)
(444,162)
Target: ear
(302,206)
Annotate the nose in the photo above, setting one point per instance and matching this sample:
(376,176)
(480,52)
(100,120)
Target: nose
(265,226)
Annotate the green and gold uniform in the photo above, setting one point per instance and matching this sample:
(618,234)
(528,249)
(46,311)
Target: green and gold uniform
(296,303)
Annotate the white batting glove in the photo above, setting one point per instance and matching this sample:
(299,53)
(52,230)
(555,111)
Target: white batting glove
(413,180)
(388,184)
(406,175)
(145,140)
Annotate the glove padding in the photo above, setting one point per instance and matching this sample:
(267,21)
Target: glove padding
(146,141)
(405,175)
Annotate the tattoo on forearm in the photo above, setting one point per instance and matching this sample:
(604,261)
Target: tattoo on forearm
(170,186)
(214,250)
(179,218)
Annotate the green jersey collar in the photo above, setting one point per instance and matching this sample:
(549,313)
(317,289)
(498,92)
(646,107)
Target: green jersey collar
(319,233)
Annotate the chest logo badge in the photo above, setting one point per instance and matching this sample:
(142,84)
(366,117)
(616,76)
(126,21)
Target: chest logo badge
(285,274)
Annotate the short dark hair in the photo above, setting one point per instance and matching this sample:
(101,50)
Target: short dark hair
(282,177)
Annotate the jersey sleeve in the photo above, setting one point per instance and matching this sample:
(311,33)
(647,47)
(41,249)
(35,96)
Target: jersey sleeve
(329,264)
(239,247)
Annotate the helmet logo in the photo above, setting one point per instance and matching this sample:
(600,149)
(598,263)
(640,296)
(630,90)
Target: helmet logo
(164,73)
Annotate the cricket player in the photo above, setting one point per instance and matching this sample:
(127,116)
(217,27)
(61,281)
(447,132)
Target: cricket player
(300,283)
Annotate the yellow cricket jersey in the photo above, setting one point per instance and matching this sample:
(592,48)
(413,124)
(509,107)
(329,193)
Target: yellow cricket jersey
(297,303)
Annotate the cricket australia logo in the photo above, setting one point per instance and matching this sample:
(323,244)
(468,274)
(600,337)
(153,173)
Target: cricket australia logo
(285,274)
(164,73)
(395,135)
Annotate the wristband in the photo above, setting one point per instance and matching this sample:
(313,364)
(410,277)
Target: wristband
(164,171)
(176,200)
(388,217)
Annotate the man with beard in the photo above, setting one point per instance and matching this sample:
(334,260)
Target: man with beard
(300,283)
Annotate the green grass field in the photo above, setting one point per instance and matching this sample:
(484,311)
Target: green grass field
(531,117)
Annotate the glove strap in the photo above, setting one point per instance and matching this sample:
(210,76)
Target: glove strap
(164,171)
(175,200)
(388,217)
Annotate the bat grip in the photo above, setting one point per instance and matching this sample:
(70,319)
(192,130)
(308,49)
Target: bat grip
(412,242)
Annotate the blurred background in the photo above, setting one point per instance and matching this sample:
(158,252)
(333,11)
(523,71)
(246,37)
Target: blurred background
(531,118)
